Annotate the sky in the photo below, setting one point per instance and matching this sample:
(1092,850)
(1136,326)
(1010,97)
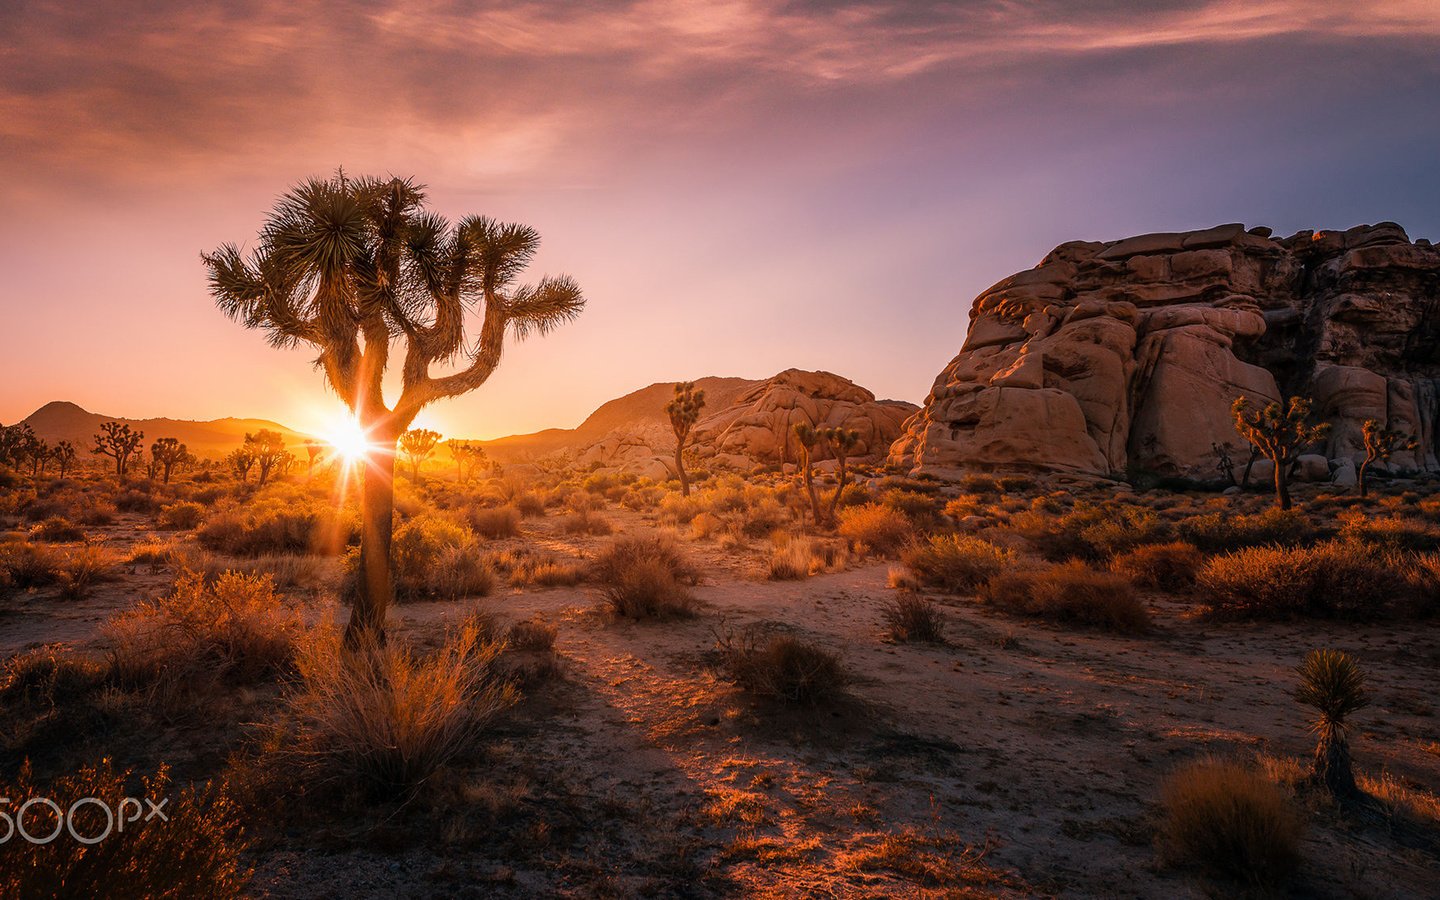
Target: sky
(739,187)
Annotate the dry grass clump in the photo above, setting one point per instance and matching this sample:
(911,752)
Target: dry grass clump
(586,521)
(534,635)
(1070,592)
(546,571)
(278,525)
(877,528)
(24,565)
(1165,567)
(783,667)
(57,530)
(704,525)
(956,563)
(530,504)
(390,718)
(931,859)
(1391,532)
(289,570)
(236,630)
(912,618)
(494,523)
(795,557)
(153,553)
(180,516)
(1228,819)
(434,558)
(197,852)
(1334,579)
(1224,531)
(646,578)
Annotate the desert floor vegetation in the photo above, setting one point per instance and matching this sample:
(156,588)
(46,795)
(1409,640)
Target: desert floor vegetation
(1006,687)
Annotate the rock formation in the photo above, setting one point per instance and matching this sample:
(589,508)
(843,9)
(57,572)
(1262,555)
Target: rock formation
(1126,356)
(744,424)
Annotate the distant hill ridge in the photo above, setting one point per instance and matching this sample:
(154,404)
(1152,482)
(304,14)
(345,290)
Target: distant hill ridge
(62,420)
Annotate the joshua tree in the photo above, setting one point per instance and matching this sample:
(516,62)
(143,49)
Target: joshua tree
(167,453)
(38,453)
(418,444)
(64,456)
(684,412)
(842,441)
(468,459)
(806,438)
(241,461)
(17,444)
(352,266)
(1380,444)
(268,448)
(313,450)
(1332,682)
(118,441)
(1279,434)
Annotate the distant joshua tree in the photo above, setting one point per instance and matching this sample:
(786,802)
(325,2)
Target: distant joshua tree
(842,441)
(1380,444)
(684,412)
(269,450)
(17,444)
(38,453)
(418,445)
(806,438)
(469,459)
(167,453)
(120,442)
(352,266)
(64,456)
(1279,434)
(313,450)
(241,461)
(1333,684)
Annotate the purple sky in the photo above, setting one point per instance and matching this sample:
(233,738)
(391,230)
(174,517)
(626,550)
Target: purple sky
(740,187)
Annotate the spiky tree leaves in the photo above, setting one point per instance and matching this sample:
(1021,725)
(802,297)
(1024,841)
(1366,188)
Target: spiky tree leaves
(805,439)
(64,456)
(1279,433)
(356,267)
(1333,684)
(1380,444)
(684,411)
(167,453)
(418,444)
(118,441)
(268,449)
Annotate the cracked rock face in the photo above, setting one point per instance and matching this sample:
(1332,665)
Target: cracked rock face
(1109,358)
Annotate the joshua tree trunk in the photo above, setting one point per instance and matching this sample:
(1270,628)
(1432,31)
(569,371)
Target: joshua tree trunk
(1364,467)
(1282,484)
(839,487)
(1332,767)
(377,510)
(680,467)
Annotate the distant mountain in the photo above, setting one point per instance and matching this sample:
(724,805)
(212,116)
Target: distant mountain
(637,408)
(64,421)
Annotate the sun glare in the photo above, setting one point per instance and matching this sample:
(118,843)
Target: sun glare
(349,440)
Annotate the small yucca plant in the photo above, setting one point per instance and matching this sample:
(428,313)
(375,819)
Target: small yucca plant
(1332,682)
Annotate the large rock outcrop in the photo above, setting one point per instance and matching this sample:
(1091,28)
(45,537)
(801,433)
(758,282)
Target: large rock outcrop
(745,423)
(1109,358)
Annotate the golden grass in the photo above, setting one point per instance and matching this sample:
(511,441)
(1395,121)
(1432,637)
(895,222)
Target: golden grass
(956,563)
(876,528)
(1070,592)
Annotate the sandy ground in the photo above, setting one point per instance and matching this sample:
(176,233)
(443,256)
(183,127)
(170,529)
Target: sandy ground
(1040,748)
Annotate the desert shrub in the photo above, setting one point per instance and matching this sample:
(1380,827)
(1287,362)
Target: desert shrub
(1223,531)
(1333,579)
(278,525)
(181,516)
(980,483)
(704,526)
(783,667)
(97,514)
(955,563)
(57,530)
(501,522)
(878,528)
(586,521)
(547,571)
(48,676)
(920,508)
(1393,532)
(434,557)
(646,578)
(81,569)
(1070,592)
(137,500)
(198,851)
(1012,484)
(678,510)
(1231,821)
(534,634)
(855,495)
(236,630)
(387,717)
(1060,536)
(1130,527)
(29,565)
(763,516)
(530,504)
(1166,567)
(910,617)
(153,553)
(289,570)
